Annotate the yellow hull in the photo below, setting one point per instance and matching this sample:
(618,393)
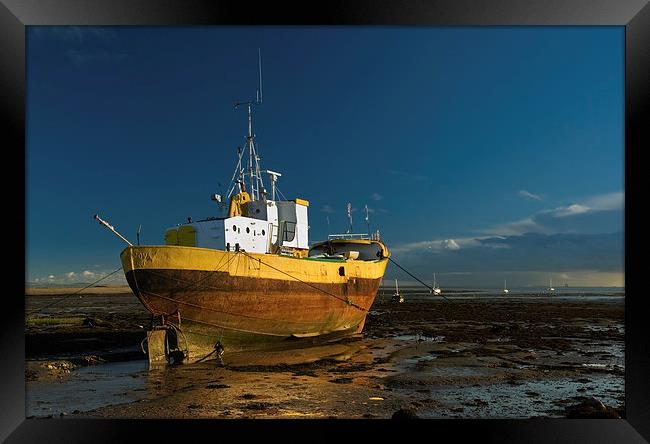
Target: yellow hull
(246,299)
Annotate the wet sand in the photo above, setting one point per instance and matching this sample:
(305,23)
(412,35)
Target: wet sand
(516,356)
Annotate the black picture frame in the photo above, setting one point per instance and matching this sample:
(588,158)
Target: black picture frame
(634,15)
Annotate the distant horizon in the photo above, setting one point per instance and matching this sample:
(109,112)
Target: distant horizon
(402,283)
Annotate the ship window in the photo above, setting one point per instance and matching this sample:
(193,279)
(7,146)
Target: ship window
(341,271)
(234,228)
(263,232)
(248,230)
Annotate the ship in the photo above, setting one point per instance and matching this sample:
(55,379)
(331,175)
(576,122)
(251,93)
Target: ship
(248,279)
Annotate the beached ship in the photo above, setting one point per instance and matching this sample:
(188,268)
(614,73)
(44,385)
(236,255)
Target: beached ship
(249,279)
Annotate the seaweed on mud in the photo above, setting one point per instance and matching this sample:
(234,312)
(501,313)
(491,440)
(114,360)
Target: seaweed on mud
(258,406)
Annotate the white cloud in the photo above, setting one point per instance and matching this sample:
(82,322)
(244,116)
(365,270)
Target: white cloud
(571,210)
(377,196)
(440,244)
(547,221)
(528,195)
(328,209)
(605,202)
(527,225)
(450,244)
(83,277)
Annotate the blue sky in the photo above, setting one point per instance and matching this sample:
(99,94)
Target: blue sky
(483,153)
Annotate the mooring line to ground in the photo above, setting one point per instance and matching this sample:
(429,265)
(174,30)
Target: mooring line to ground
(349,302)
(191,283)
(414,277)
(72,294)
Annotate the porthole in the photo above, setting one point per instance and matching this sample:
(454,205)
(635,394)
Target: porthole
(257,210)
(248,230)
(263,232)
(234,228)
(341,271)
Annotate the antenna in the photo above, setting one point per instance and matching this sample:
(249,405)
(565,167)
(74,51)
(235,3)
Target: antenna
(255,178)
(367,220)
(350,216)
(259,62)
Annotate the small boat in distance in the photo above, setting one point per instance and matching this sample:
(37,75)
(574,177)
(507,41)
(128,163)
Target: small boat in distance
(505,287)
(436,289)
(550,285)
(397,297)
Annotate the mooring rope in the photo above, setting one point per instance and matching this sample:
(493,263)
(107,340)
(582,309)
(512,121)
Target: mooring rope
(417,279)
(347,301)
(192,283)
(72,294)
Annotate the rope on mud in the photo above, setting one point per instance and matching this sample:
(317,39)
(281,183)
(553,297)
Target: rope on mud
(414,277)
(72,294)
(347,301)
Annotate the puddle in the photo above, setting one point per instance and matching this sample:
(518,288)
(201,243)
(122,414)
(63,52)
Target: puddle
(416,361)
(87,388)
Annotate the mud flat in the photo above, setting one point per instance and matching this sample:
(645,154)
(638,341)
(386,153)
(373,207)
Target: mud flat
(475,356)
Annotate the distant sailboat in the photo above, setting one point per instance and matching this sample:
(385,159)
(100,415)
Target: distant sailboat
(436,289)
(397,297)
(550,285)
(505,287)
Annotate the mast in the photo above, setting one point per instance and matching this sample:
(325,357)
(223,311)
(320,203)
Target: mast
(350,217)
(255,177)
(367,220)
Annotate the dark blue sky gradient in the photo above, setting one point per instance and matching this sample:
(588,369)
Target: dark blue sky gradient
(447,125)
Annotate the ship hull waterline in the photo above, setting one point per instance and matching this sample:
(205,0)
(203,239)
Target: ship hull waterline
(249,301)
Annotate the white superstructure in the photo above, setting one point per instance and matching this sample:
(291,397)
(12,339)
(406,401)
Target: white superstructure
(253,222)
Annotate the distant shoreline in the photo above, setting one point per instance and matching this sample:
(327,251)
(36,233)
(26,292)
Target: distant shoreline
(45,291)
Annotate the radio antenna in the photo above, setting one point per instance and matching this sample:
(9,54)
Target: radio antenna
(256,182)
(259,62)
